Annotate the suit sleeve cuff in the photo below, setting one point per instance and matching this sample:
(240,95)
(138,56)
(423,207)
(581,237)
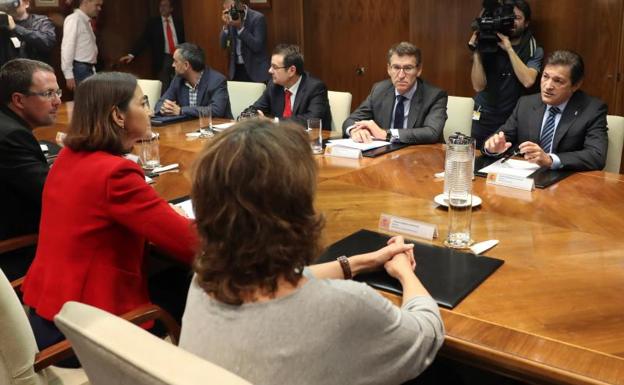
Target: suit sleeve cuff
(556,164)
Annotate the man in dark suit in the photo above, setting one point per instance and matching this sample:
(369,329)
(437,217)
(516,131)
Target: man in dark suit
(194,85)
(293,94)
(29,98)
(561,127)
(403,108)
(245,37)
(162,34)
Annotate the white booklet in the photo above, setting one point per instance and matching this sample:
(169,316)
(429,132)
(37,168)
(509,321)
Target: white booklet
(187,207)
(360,146)
(514,167)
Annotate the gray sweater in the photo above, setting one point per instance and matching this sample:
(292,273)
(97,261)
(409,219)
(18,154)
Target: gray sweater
(326,332)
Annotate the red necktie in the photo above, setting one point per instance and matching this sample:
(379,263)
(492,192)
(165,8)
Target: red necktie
(287,108)
(169,33)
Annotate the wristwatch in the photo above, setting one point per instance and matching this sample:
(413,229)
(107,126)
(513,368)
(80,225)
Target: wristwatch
(346,267)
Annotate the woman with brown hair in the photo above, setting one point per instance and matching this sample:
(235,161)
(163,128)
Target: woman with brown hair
(98,211)
(258,309)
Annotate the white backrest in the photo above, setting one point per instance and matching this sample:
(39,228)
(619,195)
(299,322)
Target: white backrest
(459,111)
(616,141)
(243,95)
(340,106)
(114,351)
(152,89)
(17,341)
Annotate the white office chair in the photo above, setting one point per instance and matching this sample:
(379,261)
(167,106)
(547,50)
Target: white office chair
(243,95)
(616,142)
(114,351)
(21,363)
(459,112)
(340,106)
(152,89)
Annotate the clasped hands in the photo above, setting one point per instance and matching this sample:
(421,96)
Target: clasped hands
(533,153)
(169,107)
(397,258)
(365,131)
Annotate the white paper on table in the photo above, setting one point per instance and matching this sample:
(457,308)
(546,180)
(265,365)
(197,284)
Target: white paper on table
(515,167)
(187,207)
(222,126)
(360,146)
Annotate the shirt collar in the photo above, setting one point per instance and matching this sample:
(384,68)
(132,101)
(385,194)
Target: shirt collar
(561,106)
(408,95)
(82,15)
(186,83)
(164,19)
(293,89)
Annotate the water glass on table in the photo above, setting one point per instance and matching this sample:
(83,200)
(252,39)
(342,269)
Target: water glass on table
(315,135)
(149,152)
(205,121)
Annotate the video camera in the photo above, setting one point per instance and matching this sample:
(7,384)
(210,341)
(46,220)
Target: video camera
(7,6)
(497,16)
(237,10)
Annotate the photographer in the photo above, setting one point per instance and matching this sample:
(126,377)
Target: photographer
(244,34)
(502,76)
(25,35)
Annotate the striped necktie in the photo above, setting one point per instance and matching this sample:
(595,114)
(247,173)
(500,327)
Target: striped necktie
(548,131)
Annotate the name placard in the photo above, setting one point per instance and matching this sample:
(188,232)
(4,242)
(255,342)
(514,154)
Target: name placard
(343,152)
(513,181)
(408,226)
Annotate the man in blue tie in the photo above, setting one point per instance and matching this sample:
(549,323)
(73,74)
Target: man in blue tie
(561,127)
(403,108)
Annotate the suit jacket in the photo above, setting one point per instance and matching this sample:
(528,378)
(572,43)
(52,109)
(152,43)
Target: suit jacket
(98,212)
(427,113)
(310,101)
(253,49)
(154,37)
(23,171)
(580,140)
(211,91)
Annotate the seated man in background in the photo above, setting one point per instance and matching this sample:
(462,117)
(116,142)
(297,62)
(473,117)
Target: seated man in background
(561,127)
(194,85)
(29,98)
(403,108)
(293,94)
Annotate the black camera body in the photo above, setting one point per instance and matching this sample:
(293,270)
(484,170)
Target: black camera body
(496,17)
(7,6)
(237,10)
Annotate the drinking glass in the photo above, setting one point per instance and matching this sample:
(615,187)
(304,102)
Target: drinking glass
(315,135)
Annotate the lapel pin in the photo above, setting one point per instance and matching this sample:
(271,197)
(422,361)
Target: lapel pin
(575,112)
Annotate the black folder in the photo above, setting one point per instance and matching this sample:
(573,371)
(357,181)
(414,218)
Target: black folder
(375,152)
(161,120)
(449,275)
(543,177)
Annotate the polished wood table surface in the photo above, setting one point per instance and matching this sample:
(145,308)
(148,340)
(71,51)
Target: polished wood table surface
(553,313)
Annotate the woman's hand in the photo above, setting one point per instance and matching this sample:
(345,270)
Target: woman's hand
(370,261)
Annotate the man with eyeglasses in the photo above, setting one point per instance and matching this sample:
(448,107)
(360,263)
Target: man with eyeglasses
(403,108)
(292,94)
(29,98)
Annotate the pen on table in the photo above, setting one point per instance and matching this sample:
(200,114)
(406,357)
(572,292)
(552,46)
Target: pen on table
(511,155)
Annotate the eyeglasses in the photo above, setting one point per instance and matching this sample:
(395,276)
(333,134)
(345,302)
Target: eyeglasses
(408,70)
(275,68)
(49,94)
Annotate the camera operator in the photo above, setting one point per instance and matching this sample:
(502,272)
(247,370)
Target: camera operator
(244,34)
(26,35)
(501,77)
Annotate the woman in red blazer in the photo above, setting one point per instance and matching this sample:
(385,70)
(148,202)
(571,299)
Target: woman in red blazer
(98,211)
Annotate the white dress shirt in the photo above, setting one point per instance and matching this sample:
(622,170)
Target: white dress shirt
(78,42)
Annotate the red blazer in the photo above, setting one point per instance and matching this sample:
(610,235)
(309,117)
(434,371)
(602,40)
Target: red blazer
(97,213)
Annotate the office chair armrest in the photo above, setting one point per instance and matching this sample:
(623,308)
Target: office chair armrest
(52,354)
(153,312)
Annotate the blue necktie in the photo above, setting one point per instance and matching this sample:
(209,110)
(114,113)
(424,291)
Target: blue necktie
(548,131)
(399,111)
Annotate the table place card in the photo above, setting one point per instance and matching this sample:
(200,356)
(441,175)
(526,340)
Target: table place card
(513,181)
(408,226)
(343,152)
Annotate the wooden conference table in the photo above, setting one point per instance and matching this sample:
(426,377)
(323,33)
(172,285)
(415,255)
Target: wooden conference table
(553,313)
